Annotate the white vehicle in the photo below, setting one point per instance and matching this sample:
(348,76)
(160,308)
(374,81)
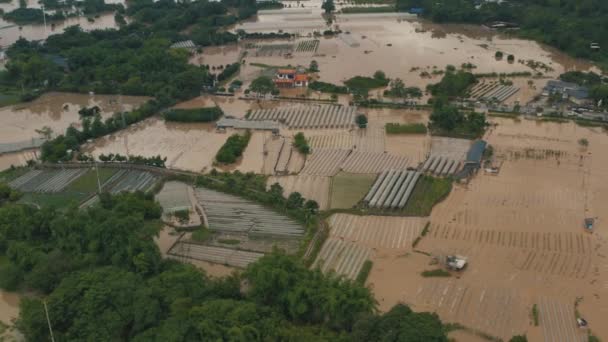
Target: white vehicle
(456,262)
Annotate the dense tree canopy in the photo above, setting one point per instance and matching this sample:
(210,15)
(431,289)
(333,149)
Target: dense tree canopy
(103,279)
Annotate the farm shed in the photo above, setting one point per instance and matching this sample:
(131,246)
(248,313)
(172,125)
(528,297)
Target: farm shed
(476,152)
(263,125)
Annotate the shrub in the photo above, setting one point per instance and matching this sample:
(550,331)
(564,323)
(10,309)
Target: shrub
(362,121)
(194,115)
(201,235)
(229,71)
(498,54)
(366,83)
(301,143)
(233,148)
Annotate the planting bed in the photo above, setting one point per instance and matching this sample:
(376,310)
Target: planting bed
(347,189)
(309,116)
(343,258)
(308,46)
(325,162)
(233,214)
(47,181)
(392,189)
(218,255)
(440,166)
(372,162)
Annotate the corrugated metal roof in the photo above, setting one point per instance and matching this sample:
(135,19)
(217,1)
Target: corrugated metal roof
(476,151)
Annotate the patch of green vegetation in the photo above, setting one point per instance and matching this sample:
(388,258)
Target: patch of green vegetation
(300,143)
(201,235)
(268,66)
(59,200)
(377,9)
(207,114)
(229,241)
(535,314)
(593,338)
(183,216)
(364,83)
(448,120)
(9,98)
(427,192)
(327,87)
(364,272)
(415,128)
(233,148)
(12,173)
(87,183)
(425,230)
(347,189)
(436,273)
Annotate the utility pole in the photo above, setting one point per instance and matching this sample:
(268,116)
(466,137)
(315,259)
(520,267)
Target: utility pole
(44,20)
(48,320)
(97,171)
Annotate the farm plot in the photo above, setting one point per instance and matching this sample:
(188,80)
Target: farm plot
(130,181)
(557,321)
(376,231)
(392,189)
(499,311)
(343,258)
(309,116)
(269,50)
(440,166)
(218,255)
(325,162)
(373,162)
(272,151)
(47,181)
(451,148)
(310,46)
(284,156)
(233,214)
(347,189)
(310,187)
(371,139)
(492,91)
(17,158)
(174,196)
(333,141)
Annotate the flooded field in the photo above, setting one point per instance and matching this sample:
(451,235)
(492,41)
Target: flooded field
(57,111)
(522,230)
(187,146)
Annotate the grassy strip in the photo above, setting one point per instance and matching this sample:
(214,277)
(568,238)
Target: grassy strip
(535,314)
(233,148)
(328,87)
(54,200)
(424,231)
(323,235)
(378,9)
(347,189)
(395,128)
(201,235)
(436,273)
(194,115)
(457,326)
(427,192)
(268,66)
(12,173)
(87,183)
(364,272)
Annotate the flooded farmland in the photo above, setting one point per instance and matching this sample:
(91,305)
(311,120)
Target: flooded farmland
(57,111)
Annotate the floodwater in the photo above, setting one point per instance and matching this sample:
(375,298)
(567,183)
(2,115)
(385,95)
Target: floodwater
(187,146)
(401,47)
(56,110)
(9,306)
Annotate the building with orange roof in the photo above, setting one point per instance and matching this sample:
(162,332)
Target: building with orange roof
(290,78)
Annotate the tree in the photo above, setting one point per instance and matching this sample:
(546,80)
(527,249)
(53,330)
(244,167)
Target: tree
(45,132)
(328,6)
(380,75)
(519,338)
(294,201)
(314,66)
(498,54)
(361,120)
(262,85)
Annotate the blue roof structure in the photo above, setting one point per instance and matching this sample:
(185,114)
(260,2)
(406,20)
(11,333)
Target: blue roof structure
(416,10)
(571,89)
(476,151)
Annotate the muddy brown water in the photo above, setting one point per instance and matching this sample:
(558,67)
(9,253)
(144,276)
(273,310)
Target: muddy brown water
(9,306)
(57,111)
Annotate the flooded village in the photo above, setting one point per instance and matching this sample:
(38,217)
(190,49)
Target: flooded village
(397,198)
